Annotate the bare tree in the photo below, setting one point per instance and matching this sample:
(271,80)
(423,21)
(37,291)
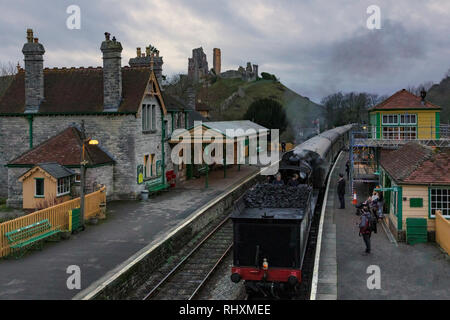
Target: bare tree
(7,69)
(424,86)
(447,74)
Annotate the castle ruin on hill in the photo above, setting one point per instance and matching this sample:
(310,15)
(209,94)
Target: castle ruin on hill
(198,68)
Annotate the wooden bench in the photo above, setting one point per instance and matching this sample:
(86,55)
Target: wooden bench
(156,185)
(30,235)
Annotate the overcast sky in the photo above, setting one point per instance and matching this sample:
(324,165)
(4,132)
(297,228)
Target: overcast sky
(315,47)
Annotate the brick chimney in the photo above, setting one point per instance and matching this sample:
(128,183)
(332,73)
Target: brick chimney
(112,73)
(33,52)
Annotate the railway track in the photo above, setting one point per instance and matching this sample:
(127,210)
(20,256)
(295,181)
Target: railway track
(189,276)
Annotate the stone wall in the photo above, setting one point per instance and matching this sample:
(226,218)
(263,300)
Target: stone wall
(121,136)
(101,175)
(15,197)
(150,143)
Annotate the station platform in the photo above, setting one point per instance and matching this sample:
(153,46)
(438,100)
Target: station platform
(406,271)
(130,226)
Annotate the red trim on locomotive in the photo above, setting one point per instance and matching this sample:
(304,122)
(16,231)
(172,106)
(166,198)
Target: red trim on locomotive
(273,274)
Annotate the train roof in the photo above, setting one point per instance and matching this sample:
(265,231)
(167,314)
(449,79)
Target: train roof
(321,143)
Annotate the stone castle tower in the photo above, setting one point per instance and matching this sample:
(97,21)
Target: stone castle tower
(216,61)
(198,65)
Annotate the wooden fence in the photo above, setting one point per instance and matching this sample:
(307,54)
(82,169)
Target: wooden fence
(443,232)
(58,216)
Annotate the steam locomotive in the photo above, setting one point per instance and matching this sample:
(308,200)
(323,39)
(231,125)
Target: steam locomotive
(271,223)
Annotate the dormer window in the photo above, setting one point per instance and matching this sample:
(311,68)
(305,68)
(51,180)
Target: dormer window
(148,117)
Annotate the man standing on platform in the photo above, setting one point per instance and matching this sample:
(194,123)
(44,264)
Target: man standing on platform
(365,229)
(341,190)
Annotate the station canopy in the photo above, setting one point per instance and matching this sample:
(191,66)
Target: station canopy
(228,129)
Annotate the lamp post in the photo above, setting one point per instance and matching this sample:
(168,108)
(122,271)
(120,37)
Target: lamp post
(82,176)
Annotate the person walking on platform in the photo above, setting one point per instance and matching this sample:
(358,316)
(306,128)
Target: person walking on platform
(380,203)
(341,190)
(347,169)
(365,228)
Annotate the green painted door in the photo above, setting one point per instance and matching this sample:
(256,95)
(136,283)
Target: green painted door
(387,194)
(189,171)
(76,219)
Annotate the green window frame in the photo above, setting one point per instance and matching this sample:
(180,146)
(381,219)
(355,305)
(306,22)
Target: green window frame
(39,183)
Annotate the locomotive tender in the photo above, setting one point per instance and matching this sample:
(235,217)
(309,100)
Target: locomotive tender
(271,223)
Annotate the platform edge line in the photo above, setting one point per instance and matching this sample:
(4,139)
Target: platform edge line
(315,279)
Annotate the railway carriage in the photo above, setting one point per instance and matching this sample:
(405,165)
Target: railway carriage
(270,238)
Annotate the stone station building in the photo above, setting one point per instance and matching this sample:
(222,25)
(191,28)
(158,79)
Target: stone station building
(121,107)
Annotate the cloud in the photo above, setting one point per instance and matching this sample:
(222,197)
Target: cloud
(315,47)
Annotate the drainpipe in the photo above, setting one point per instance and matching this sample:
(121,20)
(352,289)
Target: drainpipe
(186,120)
(173,120)
(30,130)
(163,138)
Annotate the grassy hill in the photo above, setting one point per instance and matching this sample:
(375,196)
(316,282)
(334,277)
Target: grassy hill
(230,99)
(439,94)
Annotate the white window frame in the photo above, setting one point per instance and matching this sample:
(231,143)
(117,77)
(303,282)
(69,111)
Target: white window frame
(391,135)
(393,116)
(409,131)
(408,116)
(148,117)
(64,187)
(444,201)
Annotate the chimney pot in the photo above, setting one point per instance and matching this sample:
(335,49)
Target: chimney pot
(30,35)
(107,34)
(138,52)
(36,40)
(423,94)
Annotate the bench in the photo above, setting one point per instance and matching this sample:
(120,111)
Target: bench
(30,235)
(156,185)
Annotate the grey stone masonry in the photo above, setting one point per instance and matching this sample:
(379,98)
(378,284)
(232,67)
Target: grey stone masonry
(33,53)
(144,60)
(112,73)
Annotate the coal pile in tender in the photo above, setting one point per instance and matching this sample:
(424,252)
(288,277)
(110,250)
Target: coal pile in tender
(275,196)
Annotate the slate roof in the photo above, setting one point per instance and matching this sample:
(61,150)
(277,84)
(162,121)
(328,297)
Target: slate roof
(56,170)
(194,116)
(417,164)
(64,148)
(404,99)
(200,106)
(5,81)
(173,103)
(76,90)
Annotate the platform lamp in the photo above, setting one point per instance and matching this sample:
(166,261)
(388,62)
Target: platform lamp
(82,176)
